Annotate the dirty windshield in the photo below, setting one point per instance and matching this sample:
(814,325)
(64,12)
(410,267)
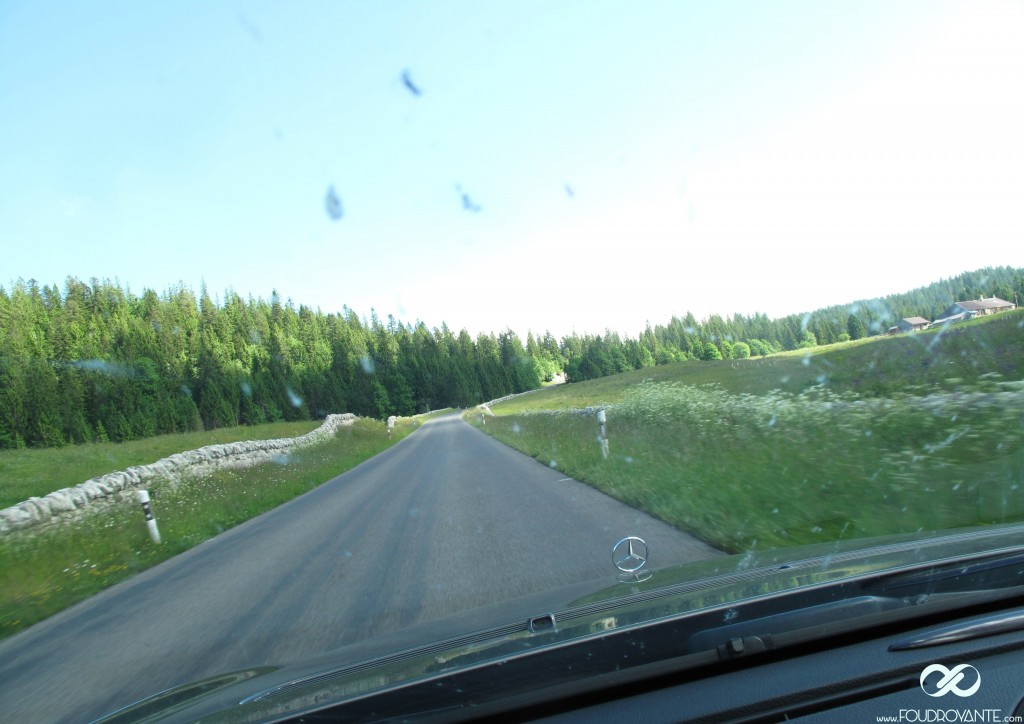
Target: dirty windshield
(322,321)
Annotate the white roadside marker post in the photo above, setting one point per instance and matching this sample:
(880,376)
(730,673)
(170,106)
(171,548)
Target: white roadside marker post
(154,533)
(602,432)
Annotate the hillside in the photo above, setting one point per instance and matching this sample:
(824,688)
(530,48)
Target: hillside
(960,355)
(880,436)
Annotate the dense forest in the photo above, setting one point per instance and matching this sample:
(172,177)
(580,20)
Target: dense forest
(96,362)
(741,336)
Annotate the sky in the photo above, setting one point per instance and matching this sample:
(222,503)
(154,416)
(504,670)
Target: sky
(569,166)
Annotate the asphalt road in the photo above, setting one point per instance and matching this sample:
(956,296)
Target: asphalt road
(445,521)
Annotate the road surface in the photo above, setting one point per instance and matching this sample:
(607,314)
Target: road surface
(445,521)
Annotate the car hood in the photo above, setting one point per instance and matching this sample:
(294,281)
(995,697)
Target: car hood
(557,618)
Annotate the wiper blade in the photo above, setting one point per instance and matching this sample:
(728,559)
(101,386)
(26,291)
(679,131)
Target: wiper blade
(767,632)
(990,626)
(882,599)
(992,572)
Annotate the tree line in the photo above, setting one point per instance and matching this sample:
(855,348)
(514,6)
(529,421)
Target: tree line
(740,336)
(95,362)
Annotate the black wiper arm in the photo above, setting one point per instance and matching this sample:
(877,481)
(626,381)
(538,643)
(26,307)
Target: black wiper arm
(992,572)
(767,632)
(891,597)
(990,626)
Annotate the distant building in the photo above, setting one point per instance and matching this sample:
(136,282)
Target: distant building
(971,308)
(910,324)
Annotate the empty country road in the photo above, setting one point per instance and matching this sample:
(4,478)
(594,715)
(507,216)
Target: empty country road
(445,521)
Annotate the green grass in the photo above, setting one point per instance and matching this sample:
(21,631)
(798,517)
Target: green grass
(904,434)
(44,573)
(40,471)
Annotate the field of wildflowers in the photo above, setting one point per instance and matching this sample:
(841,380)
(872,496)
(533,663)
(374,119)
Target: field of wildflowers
(751,471)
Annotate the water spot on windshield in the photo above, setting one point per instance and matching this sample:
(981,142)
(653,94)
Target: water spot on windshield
(282,459)
(185,390)
(293,398)
(410,85)
(250,28)
(367,364)
(553,464)
(113,369)
(467,201)
(515,427)
(332,204)
(771,422)
(246,388)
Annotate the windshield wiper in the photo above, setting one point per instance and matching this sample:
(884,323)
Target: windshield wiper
(939,587)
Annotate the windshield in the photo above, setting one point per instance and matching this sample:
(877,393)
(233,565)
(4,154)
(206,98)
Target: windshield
(321,321)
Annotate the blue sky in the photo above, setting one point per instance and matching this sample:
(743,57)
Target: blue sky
(630,161)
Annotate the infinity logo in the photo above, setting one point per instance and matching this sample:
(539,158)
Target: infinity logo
(950,680)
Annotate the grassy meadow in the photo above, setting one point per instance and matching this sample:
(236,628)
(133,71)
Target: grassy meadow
(40,471)
(879,436)
(43,573)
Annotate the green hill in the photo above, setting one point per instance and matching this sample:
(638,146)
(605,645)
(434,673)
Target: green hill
(883,435)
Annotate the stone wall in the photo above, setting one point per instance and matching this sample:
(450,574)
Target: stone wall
(74,500)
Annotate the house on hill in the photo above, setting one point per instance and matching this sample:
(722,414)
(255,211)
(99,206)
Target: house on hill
(909,324)
(974,308)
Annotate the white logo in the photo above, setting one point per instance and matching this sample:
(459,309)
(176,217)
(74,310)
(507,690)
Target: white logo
(950,680)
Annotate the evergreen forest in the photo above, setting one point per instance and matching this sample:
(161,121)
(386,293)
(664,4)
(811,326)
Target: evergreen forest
(95,362)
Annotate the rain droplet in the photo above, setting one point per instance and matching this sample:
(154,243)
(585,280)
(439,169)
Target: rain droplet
(553,464)
(333,204)
(367,364)
(293,398)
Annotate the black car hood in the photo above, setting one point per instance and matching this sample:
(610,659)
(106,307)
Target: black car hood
(558,618)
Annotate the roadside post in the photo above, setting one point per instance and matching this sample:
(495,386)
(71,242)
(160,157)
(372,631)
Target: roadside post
(602,432)
(143,497)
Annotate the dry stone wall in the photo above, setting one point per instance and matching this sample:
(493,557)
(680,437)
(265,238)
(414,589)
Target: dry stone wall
(75,500)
